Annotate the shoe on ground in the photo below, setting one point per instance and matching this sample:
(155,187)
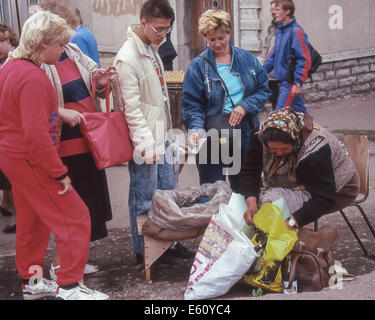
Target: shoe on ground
(10,228)
(81,292)
(44,288)
(180,251)
(164,259)
(89,268)
(6,212)
(139,259)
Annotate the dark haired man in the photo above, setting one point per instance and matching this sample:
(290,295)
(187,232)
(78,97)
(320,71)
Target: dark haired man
(144,90)
(290,43)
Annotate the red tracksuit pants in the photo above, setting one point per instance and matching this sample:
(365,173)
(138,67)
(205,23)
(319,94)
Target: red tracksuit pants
(40,210)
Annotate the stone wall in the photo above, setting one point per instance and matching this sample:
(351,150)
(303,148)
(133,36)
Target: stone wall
(341,78)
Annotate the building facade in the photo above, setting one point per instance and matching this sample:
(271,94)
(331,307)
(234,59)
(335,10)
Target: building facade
(341,30)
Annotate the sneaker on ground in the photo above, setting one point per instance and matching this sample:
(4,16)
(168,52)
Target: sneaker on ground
(81,292)
(179,251)
(44,288)
(88,270)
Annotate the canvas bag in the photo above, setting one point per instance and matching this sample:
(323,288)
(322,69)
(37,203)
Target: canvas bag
(107,135)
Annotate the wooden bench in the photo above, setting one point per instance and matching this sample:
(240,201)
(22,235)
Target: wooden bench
(153,248)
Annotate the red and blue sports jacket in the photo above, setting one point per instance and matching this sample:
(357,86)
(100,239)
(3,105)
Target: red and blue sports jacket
(290,43)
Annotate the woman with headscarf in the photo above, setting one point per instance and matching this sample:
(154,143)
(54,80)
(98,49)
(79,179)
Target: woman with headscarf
(302,163)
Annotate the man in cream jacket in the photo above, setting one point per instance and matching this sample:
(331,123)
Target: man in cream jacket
(145,92)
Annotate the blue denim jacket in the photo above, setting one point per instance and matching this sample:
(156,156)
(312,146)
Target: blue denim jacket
(204,95)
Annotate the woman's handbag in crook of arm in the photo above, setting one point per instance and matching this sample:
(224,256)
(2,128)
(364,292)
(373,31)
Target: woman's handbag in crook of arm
(225,132)
(106,134)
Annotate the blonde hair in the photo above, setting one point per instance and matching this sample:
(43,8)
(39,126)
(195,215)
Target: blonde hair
(41,28)
(213,20)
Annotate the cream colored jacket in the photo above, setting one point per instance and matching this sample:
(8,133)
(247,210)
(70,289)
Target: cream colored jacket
(147,113)
(86,67)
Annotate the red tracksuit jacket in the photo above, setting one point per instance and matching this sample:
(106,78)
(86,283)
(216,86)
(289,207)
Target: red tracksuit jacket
(29,123)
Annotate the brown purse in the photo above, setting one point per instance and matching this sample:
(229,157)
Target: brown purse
(310,260)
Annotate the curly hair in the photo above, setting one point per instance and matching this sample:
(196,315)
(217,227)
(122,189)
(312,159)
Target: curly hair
(61,10)
(213,20)
(41,28)
(7,34)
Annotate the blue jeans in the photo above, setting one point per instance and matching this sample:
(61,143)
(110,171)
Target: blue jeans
(144,181)
(285,98)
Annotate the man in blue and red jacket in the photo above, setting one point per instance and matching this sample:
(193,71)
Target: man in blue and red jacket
(291,43)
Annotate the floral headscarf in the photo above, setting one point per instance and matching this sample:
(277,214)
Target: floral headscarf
(286,120)
(297,125)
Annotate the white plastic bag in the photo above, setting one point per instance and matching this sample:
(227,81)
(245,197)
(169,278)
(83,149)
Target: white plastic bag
(224,256)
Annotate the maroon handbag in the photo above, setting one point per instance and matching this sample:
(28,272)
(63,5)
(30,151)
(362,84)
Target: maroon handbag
(311,259)
(107,135)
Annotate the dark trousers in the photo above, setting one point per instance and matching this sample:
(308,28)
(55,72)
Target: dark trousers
(211,173)
(274,87)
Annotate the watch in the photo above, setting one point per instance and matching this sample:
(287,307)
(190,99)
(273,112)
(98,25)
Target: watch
(292,223)
(298,85)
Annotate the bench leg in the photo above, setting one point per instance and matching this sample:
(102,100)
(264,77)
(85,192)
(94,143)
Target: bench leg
(148,275)
(152,248)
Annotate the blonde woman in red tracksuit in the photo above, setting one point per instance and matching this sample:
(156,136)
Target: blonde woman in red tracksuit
(44,198)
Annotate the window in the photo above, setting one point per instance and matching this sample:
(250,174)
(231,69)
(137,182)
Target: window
(15,12)
(6,12)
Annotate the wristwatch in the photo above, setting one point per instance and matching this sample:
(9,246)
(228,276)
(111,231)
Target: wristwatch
(298,85)
(292,223)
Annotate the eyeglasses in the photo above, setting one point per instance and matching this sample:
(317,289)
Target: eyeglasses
(160,30)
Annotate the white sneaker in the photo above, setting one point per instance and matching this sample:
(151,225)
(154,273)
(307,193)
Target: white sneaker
(44,288)
(81,292)
(88,270)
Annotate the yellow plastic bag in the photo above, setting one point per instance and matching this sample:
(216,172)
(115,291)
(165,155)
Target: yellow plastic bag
(266,271)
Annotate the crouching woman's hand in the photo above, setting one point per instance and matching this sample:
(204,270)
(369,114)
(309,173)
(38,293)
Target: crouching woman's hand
(252,209)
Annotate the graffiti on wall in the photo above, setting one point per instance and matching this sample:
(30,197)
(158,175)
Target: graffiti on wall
(115,8)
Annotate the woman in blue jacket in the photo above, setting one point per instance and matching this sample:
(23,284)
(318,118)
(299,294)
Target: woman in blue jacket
(205,94)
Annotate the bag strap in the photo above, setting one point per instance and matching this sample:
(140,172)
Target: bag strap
(225,86)
(107,88)
(295,256)
(250,118)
